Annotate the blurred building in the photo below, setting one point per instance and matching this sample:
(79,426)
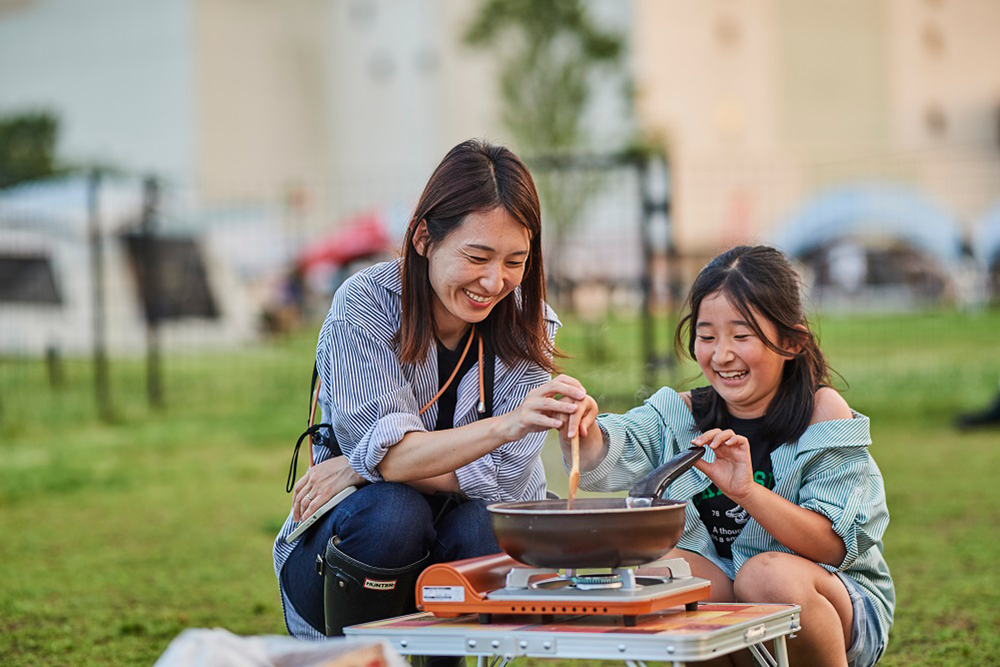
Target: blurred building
(317,106)
(769,105)
(278,119)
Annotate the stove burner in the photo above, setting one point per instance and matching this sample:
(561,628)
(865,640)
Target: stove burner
(596,582)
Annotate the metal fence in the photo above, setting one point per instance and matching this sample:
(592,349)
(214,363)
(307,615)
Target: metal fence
(102,267)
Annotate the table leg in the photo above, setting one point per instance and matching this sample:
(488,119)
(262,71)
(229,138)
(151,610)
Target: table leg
(781,651)
(761,656)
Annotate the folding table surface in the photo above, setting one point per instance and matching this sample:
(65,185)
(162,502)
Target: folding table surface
(673,635)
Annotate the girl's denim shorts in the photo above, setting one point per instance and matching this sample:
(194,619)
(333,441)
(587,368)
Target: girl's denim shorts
(867,645)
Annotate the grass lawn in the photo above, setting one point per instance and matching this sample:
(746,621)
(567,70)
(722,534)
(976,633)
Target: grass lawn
(117,537)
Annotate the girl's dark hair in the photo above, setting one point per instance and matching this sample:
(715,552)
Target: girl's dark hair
(476,177)
(760,281)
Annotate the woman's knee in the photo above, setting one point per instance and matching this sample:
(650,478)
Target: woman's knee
(465,532)
(385,525)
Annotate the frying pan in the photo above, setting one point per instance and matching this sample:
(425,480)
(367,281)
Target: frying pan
(597,532)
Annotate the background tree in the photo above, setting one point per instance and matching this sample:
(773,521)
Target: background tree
(550,52)
(27,147)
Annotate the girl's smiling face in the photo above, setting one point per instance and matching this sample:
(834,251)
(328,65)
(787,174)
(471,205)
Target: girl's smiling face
(740,366)
(473,269)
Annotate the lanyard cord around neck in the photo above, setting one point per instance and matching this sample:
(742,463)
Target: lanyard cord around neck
(481,408)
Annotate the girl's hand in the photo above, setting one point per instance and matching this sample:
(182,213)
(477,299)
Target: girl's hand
(592,448)
(732,470)
(320,483)
(542,408)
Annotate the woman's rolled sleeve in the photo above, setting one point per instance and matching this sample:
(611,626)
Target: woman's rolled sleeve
(364,385)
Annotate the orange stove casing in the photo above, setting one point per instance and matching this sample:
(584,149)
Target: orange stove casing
(461,587)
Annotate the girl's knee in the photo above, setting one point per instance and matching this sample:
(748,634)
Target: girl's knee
(768,577)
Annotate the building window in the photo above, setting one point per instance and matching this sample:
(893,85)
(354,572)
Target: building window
(933,41)
(727,32)
(935,119)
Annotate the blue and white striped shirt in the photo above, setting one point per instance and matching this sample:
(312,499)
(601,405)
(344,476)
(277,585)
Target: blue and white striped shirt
(373,400)
(827,470)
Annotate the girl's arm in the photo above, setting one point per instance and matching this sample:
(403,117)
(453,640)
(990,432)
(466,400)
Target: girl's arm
(807,533)
(616,450)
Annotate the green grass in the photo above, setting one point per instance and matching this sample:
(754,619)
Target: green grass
(118,536)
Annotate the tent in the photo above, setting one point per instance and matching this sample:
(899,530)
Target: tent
(47,295)
(888,238)
(986,247)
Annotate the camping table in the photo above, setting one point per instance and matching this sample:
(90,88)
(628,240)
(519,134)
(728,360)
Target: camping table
(674,635)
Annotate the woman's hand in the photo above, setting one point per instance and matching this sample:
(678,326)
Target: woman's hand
(542,408)
(732,470)
(582,421)
(320,483)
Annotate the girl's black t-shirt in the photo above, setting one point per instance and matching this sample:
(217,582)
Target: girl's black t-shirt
(723,518)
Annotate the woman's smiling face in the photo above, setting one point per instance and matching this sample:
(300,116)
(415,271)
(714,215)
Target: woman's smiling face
(473,269)
(740,366)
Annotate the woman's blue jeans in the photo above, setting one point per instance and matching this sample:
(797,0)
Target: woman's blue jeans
(387,525)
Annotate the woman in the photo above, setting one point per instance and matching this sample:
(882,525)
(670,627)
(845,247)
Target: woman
(434,373)
(787,505)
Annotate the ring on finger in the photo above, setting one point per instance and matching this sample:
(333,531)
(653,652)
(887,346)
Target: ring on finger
(309,496)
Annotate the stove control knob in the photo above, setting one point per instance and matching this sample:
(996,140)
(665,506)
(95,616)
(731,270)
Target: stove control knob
(495,643)
(523,644)
(621,648)
(547,645)
(472,643)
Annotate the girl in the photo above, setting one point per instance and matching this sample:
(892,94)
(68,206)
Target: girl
(787,505)
(435,375)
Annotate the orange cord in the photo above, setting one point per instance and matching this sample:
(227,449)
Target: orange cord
(455,372)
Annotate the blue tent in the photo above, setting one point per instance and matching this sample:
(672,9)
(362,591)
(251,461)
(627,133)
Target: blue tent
(874,212)
(986,238)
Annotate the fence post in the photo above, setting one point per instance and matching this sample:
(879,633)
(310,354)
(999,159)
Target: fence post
(654,204)
(154,304)
(101,387)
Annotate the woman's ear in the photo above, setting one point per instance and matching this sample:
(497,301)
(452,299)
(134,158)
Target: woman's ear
(421,237)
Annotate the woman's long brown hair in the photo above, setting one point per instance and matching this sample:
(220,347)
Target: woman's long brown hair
(760,281)
(476,177)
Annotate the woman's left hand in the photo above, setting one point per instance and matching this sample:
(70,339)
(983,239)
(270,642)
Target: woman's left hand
(732,470)
(320,483)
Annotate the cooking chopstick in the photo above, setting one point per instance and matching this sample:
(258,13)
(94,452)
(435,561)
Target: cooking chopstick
(574,472)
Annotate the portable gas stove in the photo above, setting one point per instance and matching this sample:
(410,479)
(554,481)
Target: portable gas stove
(500,585)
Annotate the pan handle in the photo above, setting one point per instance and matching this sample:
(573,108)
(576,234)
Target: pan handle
(655,483)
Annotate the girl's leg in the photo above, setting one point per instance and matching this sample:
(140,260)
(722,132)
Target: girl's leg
(722,591)
(827,612)
(722,586)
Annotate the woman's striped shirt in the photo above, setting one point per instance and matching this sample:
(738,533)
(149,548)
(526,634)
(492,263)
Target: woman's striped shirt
(373,400)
